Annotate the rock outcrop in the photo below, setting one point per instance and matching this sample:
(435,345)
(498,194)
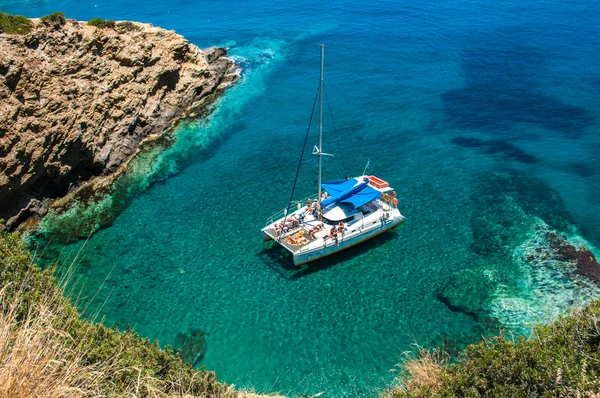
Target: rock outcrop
(76,101)
(554,247)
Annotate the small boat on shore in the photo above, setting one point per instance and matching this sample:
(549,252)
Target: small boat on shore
(343,214)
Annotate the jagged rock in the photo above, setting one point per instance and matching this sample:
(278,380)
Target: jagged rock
(545,254)
(76,101)
(34,208)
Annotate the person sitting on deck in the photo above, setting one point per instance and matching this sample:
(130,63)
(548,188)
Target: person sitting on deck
(341,228)
(316,229)
(280,228)
(323,195)
(332,234)
(310,211)
(310,207)
(286,224)
(294,221)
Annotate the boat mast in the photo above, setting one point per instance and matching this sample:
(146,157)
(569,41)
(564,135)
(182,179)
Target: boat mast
(320,128)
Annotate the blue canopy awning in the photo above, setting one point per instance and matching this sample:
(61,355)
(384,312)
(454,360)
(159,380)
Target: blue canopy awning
(353,191)
(363,197)
(334,188)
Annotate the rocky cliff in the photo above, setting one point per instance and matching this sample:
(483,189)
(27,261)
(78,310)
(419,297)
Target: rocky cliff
(77,100)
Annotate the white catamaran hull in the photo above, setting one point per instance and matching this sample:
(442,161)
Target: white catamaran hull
(383,219)
(349,240)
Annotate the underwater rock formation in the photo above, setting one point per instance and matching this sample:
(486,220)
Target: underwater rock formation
(476,301)
(558,249)
(191,345)
(78,100)
(492,147)
(523,266)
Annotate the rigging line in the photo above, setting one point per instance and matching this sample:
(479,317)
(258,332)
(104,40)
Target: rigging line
(337,138)
(301,156)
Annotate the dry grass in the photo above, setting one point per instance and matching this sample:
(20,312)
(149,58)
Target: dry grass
(423,373)
(37,358)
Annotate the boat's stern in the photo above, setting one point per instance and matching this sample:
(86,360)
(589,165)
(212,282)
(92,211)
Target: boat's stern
(268,233)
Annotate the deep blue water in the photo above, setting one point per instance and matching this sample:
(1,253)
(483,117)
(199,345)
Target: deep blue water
(483,114)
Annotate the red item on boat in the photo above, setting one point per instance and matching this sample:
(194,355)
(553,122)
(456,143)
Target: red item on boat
(378,182)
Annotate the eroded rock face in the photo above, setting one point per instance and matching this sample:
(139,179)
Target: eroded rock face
(77,100)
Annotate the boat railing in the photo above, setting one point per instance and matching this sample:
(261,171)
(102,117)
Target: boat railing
(389,200)
(293,208)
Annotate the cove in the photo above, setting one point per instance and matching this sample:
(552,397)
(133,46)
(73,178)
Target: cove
(406,85)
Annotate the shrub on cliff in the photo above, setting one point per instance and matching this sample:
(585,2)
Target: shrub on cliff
(14,24)
(19,276)
(561,359)
(57,18)
(127,26)
(101,23)
(46,349)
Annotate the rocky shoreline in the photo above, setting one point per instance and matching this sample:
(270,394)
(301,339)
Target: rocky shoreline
(79,100)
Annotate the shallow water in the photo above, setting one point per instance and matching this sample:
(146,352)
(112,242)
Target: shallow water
(482,115)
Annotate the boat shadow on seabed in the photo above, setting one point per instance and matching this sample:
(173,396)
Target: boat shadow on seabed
(281,261)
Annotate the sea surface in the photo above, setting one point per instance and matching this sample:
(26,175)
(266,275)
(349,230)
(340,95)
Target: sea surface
(483,114)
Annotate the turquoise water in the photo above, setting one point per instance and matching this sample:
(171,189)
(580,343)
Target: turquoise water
(483,115)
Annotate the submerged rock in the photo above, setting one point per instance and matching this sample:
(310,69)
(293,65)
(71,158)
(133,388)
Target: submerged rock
(560,250)
(496,146)
(191,345)
(521,269)
(469,292)
(498,195)
(77,101)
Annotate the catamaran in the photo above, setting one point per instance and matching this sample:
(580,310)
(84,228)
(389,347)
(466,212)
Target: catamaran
(344,212)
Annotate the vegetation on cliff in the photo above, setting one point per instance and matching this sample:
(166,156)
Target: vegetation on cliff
(101,23)
(56,18)
(14,24)
(46,349)
(560,359)
(129,26)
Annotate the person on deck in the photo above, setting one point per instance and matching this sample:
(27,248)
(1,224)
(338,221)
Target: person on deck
(315,229)
(280,228)
(294,221)
(310,207)
(341,228)
(332,234)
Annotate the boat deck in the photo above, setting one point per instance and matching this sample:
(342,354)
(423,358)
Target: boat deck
(299,238)
(296,239)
